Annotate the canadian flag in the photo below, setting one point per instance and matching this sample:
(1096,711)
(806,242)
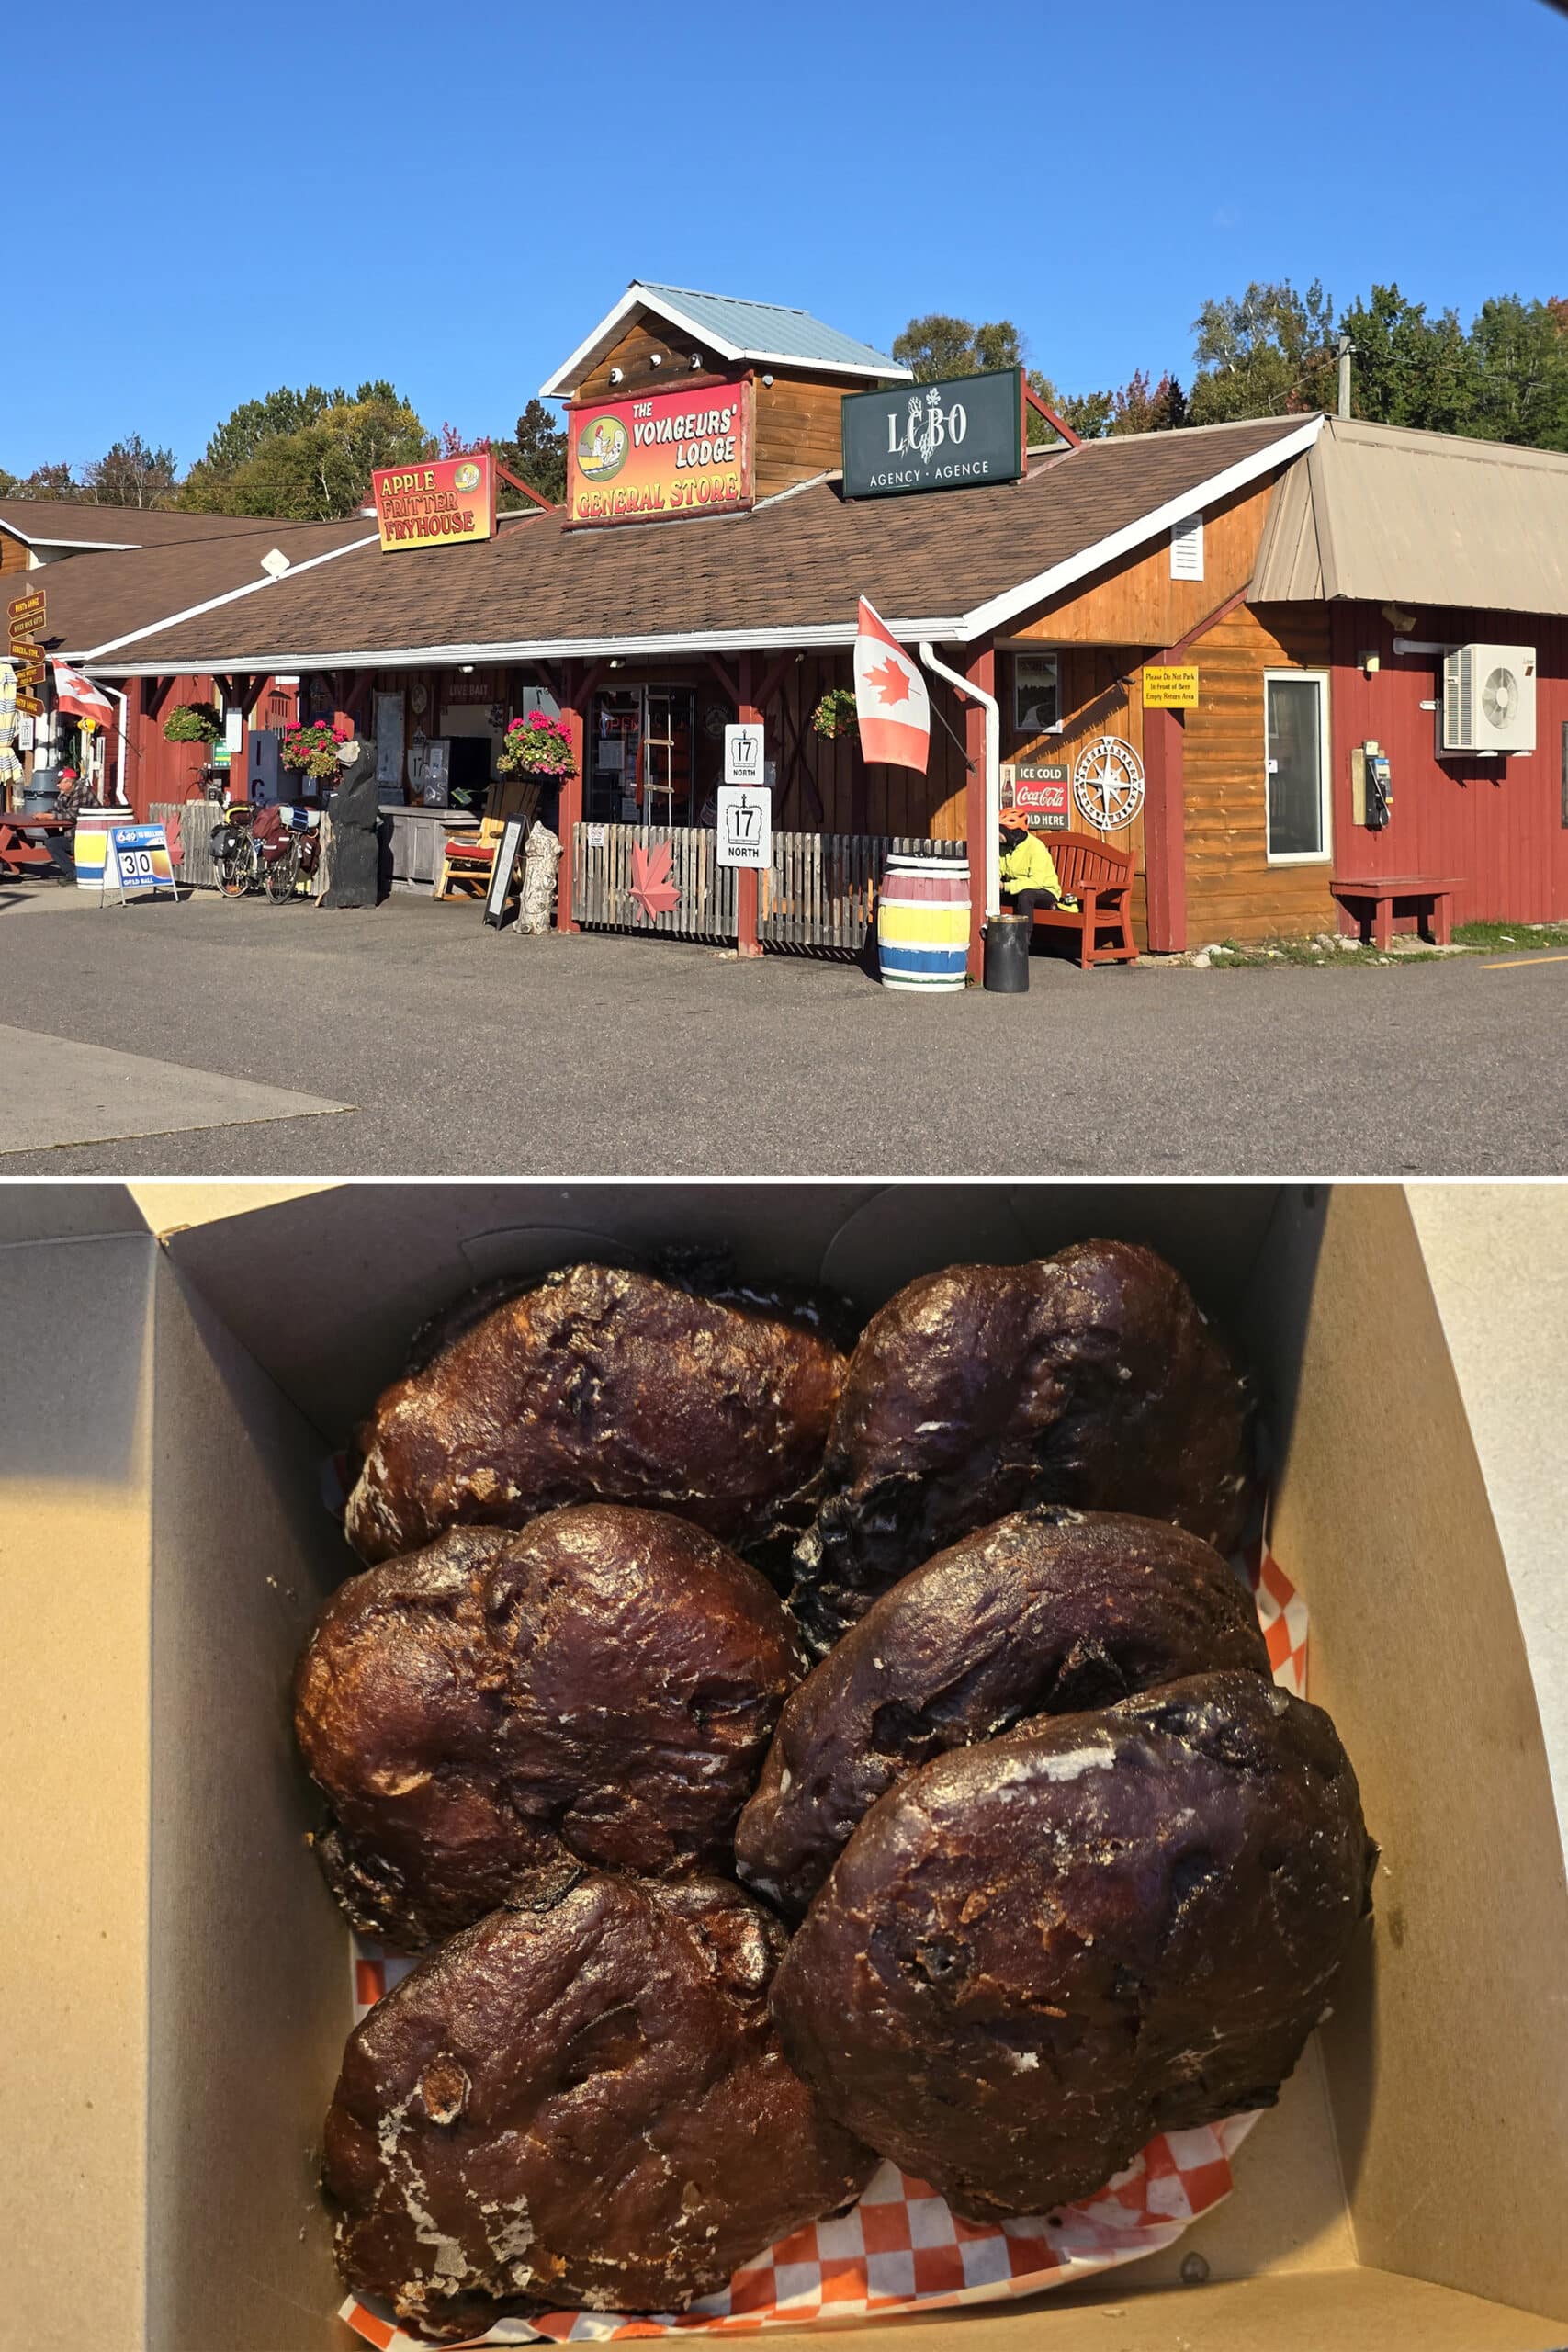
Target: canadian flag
(891,701)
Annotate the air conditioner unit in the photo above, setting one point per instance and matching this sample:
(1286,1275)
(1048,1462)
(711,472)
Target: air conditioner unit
(1489,699)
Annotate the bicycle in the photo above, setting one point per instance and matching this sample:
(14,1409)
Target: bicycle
(236,855)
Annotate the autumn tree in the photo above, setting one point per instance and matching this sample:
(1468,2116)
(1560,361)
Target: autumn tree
(1269,351)
(306,455)
(536,454)
(130,473)
(57,481)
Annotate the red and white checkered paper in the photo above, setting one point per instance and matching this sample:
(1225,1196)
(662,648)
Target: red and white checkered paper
(902,2248)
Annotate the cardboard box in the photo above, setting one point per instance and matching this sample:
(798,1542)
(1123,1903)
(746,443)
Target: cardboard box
(176,1977)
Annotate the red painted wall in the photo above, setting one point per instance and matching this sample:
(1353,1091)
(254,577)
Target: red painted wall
(156,770)
(1495,824)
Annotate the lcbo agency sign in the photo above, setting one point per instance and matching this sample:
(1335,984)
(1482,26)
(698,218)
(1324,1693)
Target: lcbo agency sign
(950,436)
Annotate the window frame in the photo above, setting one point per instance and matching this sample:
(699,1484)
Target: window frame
(1051,654)
(1324,856)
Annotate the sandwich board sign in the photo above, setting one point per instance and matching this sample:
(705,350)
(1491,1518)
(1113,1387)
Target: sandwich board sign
(746,826)
(136,860)
(743,754)
(504,865)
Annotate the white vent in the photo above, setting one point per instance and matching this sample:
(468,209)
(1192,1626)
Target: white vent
(275,563)
(1489,699)
(1186,550)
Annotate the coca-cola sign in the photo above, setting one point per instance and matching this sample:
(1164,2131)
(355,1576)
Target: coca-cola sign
(950,436)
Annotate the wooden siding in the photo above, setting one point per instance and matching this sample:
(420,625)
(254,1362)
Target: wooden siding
(799,429)
(797,414)
(1232,892)
(1499,826)
(633,355)
(15,553)
(1138,602)
(824,785)
(1098,697)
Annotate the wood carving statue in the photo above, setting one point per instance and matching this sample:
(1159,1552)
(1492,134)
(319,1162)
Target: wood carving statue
(356,823)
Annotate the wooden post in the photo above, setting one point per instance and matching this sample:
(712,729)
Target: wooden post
(572,707)
(1164,826)
(747,882)
(981,670)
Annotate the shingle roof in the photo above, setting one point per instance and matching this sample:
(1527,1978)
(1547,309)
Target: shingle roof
(60,522)
(94,599)
(737,329)
(1384,514)
(794,565)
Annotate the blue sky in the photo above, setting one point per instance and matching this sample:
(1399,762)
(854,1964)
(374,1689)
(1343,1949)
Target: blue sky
(452,198)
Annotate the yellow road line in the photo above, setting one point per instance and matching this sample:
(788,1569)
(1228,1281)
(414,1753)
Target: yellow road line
(1514,964)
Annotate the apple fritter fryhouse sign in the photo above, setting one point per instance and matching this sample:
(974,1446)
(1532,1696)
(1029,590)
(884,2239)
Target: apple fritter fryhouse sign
(426,505)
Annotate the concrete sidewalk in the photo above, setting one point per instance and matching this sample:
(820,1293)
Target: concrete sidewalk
(466,1051)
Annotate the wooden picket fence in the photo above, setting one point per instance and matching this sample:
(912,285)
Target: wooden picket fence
(601,880)
(821,889)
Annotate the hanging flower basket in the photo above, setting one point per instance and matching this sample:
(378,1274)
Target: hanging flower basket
(537,746)
(836,714)
(314,750)
(193,722)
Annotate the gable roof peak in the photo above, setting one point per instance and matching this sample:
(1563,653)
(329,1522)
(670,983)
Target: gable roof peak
(735,328)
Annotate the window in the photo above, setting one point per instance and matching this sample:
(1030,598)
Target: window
(1186,550)
(1296,773)
(1036,694)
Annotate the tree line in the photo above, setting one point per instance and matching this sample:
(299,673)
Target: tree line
(308,455)
(1273,351)
(304,455)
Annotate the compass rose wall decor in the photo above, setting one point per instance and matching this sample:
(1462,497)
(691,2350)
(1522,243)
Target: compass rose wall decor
(1108,783)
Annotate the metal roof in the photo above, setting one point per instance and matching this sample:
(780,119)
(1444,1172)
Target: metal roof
(733,327)
(1382,514)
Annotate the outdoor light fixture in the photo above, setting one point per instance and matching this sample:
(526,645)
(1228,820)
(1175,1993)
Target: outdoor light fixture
(1371,664)
(696,359)
(468,668)
(617,375)
(768,381)
(656,359)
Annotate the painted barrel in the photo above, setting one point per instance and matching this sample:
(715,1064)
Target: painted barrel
(90,841)
(922,923)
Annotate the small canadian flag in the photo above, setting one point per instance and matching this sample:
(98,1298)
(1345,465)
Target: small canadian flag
(891,701)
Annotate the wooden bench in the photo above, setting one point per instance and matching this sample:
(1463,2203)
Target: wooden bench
(1100,879)
(1432,894)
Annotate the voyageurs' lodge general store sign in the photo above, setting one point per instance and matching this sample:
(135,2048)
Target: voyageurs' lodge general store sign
(665,454)
(426,505)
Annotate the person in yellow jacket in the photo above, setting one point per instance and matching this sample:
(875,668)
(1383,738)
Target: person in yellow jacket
(1027,869)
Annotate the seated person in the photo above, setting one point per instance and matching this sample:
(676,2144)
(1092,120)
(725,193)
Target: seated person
(69,801)
(1027,869)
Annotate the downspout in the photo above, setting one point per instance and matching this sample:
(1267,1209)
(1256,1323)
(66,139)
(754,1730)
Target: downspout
(993,865)
(104,687)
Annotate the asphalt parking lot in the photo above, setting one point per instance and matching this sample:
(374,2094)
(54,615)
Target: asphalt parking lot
(423,1044)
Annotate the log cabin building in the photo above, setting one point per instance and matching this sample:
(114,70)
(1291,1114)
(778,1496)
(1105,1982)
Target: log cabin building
(1309,583)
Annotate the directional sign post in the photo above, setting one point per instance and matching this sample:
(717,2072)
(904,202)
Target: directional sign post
(746,827)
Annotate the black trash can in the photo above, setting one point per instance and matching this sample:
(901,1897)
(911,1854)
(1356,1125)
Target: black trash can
(1007,953)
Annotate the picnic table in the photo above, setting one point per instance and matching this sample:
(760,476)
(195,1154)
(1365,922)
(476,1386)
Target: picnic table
(20,854)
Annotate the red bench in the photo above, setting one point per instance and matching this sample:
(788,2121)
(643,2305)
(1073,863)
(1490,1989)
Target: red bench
(1100,879)
(1432,894)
